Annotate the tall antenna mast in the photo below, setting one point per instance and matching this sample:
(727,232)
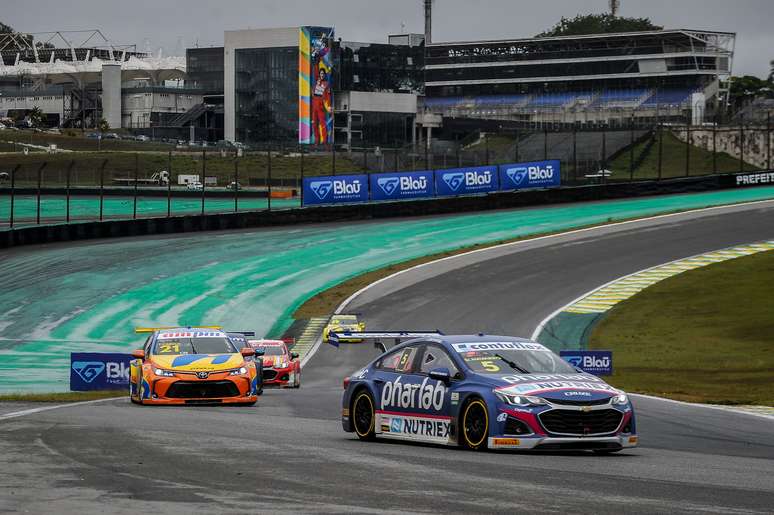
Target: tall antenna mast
(615,5)
(428,21)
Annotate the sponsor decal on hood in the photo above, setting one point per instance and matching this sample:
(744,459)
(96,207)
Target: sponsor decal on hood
(565,386)
(199,362)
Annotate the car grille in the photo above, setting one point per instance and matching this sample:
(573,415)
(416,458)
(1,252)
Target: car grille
(269,374)
(574,402)
(202,390)
(580,423)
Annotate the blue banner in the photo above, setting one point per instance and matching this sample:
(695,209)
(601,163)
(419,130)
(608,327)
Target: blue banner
(338,189)
(596,362)
(537,174)
(465,181)
(99,371)
(402,185)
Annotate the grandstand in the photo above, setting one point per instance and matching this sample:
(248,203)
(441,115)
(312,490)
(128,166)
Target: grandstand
(606,78)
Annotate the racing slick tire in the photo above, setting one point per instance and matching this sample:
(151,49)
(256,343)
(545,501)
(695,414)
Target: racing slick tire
(364,415)
(474,425)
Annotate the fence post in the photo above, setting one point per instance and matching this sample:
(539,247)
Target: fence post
(660,149)
(631,149)
(204,177)
(333,159)
(301,188)
(427,150)
(136,173)
(517,146)
(169,184)
(236,186)
(13,188)
(575,153)
(688,135)
(604,153)
(102,187)
(268,180)
(741,144)
(40,179)
(67,201)
(459,157)
(486,148)
(545,142)
(397,166)
(768,141)
(365,159)
(715,145)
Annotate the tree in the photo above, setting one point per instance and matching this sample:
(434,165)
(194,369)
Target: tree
(104,126)
(35,116)
(5,29)
(598,24)
(745,89)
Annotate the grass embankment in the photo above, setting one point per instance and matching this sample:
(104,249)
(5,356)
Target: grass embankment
(76,140)
(62,396)
(706,335)
(674,160)
(253,167)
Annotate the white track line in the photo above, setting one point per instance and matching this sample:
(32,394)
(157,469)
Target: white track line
(727,409)
(32,411)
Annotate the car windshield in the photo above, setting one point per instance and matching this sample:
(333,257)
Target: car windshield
(194,345)
(344,320)
(508,361)
(272,350)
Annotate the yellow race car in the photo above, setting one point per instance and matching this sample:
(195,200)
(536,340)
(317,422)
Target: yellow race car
(341,323)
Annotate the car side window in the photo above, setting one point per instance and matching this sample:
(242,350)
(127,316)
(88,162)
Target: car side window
(435,357)
(400,361)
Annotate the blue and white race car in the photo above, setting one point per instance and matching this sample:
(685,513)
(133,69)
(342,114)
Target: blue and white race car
(478,391)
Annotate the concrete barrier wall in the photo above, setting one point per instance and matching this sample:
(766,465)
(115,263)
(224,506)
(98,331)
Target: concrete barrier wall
(323,214)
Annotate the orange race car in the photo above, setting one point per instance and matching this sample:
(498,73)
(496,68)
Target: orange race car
(194,365)
(280,366)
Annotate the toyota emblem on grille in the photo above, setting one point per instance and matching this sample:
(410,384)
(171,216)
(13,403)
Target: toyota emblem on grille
(202,375)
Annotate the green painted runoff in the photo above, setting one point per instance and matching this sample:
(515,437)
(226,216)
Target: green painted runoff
(89,296)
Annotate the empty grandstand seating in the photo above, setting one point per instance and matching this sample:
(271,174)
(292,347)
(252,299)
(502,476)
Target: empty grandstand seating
(553,100)
(668,97)
(621,98)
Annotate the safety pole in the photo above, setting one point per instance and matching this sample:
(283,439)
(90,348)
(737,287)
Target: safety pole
(268,181)
(545,142)
(136,177)
(302,176)
(40,180)
(631,149)
(67,201)
(13,188)
(236,186)
(688,150)
(486,148)
(517,147)
(741,144)
(102,187)
(333,159)
(715,146)
(604,154)
(660,149)
(169,184)
(204,177)
(768,141)
(575,153)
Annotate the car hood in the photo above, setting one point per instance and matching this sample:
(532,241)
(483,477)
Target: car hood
(199,362)
(560,387)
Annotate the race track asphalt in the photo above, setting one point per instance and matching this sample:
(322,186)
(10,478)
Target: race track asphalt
(288,453)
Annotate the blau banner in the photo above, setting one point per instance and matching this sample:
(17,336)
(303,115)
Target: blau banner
(338,189)
(537,174)
(596,362)
(464,181)
(99,371)
(402,185)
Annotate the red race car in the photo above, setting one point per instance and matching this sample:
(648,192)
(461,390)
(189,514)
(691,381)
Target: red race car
(280,366)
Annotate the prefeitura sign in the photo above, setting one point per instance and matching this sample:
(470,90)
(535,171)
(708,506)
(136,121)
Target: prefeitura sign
(99,371)
(596,362)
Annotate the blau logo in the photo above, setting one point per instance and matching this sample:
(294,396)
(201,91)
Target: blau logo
(88,370)
(396,425)
(517,175)
(388,184)
(454,180)
(574,360)
(342,187)
(321,188)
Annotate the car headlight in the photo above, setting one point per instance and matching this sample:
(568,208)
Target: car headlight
(520,400)
(239,372)
(620,399)
(163,373)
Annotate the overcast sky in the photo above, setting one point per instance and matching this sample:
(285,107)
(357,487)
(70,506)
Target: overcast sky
(174,25)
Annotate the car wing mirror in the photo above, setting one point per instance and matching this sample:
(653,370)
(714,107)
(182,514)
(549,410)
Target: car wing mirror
(294,355)
(138,354)
(380,346)
(247,352)
(441,374)
(259,352)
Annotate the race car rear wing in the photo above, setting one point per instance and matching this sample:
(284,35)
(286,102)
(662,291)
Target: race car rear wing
(378,336)
(154,329)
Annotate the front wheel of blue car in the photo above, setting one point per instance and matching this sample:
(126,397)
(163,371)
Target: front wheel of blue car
(474,425)
(363,415)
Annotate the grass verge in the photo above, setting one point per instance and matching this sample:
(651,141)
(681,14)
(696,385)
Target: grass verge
(706,335)
(62,396)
